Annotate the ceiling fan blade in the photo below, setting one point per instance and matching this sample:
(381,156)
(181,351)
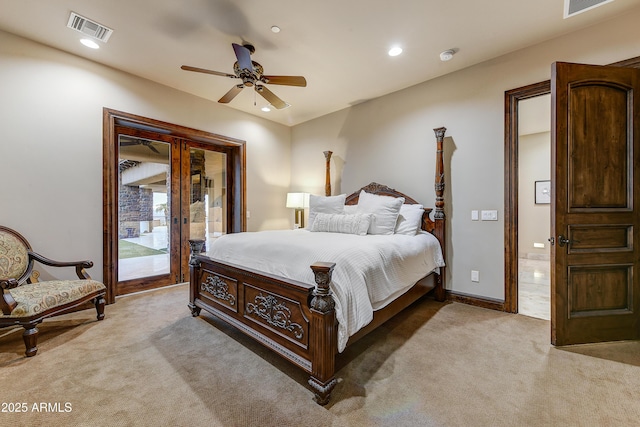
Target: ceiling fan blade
(244,57)
(271,97)
(231,94)
(152,148)
(203,70)
(285,80)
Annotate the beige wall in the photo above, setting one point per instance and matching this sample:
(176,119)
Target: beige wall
(390,140)
(51,107)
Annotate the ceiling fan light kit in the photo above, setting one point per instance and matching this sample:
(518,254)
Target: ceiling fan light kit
(252,74)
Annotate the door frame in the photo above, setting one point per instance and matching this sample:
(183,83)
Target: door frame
(511,100)
(236,176)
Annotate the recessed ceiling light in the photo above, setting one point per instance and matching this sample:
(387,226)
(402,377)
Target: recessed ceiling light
(395,51)
(275,29)
(89,43)
(266,108)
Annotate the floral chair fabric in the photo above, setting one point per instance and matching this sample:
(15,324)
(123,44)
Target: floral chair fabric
(14,256)
(37,299)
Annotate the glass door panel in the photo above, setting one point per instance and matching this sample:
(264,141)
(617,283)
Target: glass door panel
(160,190)
(207,195)
(144,200)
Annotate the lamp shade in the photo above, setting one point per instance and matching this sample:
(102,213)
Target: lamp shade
(297,200)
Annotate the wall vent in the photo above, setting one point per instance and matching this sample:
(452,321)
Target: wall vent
(574,7)
(88,27)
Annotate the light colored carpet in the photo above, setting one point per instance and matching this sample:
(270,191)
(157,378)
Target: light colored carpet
(149,363)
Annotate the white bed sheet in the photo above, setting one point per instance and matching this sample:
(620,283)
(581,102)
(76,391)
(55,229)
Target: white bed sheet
(370,270)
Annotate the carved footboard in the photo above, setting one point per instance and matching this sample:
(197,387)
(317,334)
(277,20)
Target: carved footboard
(294,319)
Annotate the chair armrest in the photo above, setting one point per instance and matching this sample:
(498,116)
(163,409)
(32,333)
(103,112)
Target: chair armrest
(7,303)
(8,283)
(79,265)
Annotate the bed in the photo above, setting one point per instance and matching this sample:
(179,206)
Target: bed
(298,318)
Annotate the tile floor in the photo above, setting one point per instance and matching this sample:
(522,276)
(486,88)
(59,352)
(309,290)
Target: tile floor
(153,265)
(534,288)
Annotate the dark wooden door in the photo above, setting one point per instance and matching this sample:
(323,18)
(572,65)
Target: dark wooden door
(190,166)
(595,222)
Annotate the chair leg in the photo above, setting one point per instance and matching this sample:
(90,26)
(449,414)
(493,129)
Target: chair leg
(30,337)
(99,302)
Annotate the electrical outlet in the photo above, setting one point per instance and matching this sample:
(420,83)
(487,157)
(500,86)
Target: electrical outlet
(474,215)
(475,276)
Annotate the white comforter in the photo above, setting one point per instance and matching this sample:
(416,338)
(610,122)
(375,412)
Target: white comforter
(370,270)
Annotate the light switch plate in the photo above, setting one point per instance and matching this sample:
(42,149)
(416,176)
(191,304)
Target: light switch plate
(489,215)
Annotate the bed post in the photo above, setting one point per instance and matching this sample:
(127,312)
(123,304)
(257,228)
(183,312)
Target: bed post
(327,180)
(194,267)
(439,216)
(323,336)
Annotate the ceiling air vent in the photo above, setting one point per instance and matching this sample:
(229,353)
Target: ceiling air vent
(574,7)
(88,27)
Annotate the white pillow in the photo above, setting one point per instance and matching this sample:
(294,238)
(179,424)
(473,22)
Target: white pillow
(385,210)
(340,223)
(350,209)
(325,204)
(409,219)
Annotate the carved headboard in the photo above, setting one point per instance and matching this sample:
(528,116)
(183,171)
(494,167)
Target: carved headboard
(383,190)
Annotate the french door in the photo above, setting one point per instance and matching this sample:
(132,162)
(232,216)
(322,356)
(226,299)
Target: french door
(163,188)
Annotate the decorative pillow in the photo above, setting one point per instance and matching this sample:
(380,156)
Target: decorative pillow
(409,219)
(341,223)
(385,210)
(325,204)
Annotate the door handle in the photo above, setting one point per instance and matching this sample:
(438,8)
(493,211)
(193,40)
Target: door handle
(563,240)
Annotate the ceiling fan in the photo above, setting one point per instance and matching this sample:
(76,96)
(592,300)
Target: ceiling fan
(131,141)
(251,74)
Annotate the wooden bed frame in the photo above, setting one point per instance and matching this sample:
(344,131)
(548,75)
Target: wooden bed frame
(295,319)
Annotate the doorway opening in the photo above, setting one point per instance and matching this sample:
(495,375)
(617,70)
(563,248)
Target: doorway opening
(164,185)
(512,184)
(534,202)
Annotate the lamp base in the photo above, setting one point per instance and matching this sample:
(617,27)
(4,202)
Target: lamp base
(299,216)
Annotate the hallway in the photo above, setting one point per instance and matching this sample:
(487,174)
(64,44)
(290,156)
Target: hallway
(534,288)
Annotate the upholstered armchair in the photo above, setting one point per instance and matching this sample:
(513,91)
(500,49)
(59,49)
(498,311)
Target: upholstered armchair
(27,302)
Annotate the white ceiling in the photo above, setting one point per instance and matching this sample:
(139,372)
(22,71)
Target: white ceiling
(340,46)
